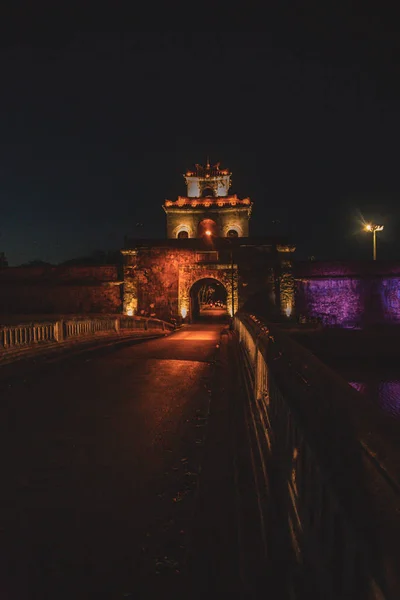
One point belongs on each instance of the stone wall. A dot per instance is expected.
(346, 268)
(349, 294)
(60, 289)
(158, 279)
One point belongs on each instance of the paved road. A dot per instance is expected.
(100, 462)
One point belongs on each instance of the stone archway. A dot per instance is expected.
(208, 301)
(189, 275)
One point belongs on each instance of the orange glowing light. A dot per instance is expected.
(208, 232)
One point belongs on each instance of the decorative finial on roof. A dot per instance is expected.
(208, 162)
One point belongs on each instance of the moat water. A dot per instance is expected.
(379, 386)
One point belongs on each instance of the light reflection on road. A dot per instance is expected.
(193, 333)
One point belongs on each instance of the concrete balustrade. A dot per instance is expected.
(331, 490)
(26, 334)
(15, 337)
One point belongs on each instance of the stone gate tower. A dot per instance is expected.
(208, 206)
(207, 240)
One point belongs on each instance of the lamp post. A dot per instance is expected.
(373, 228)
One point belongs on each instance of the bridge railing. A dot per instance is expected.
(145, 323)
(27, 334)
(83, 327)
(24, 335)
(331, 467)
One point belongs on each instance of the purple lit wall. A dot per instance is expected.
(384, 392)
(390, 299)
(350, 301)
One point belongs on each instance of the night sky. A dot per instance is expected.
(97, 127)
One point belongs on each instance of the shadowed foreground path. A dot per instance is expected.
(101, 459)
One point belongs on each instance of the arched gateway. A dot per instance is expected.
(225, 275)
(207, 239)
(208, 301)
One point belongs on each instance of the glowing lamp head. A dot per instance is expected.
(183, 312)
(129, 312)
(208, 232)
(288, 310)
(372, 227)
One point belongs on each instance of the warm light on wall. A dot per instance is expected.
(130, 305)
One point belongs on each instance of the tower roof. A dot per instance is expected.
(207, 171)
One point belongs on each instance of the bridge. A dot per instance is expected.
(140, 459)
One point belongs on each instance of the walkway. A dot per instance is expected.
(128, 472)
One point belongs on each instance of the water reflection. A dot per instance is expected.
(386, 392)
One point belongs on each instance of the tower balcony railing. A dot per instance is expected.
(211, 172)
(207, 201)
(328, 463)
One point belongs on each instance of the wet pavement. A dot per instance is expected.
(102, 461)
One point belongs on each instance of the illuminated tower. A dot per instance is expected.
(208, 206)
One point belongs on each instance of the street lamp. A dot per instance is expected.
(373, 228)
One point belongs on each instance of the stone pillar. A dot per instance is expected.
(58, 331)
(286, 289)
(130, 294)
(231, 276)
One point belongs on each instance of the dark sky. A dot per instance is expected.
(97, 125)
